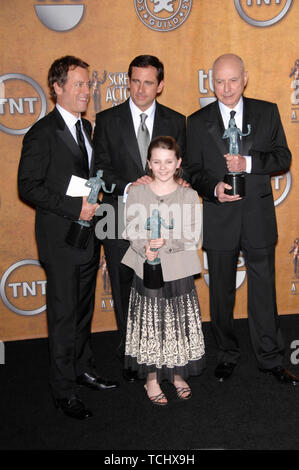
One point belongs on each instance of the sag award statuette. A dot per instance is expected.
(235, 179)
(152, 270)
(80, 231)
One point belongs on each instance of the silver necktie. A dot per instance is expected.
(143, 139)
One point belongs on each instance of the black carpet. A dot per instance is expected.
(251, 411)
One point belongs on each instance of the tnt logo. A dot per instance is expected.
(63, 17)
(22, 102)
(262, 13)
(23, 288)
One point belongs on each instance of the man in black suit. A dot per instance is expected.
(50, 156)
(117, 153)
(231, 223)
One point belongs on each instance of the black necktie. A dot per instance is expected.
(81, 143)
(232, 115)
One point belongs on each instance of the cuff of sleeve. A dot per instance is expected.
(125, 194)
(248, 163)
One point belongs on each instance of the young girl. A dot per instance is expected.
(164, 338)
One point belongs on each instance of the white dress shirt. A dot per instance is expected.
(70, 120)
(135, 111)
(225, 113)
(136, 116)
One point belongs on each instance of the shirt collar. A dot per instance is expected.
(136, 111)
(68, 117)
(225, 110)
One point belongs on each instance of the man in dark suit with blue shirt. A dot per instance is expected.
(231, 222)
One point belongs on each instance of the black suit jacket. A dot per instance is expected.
(254, 215)
(115, 143)
(50, 156)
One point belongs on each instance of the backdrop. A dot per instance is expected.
(186, 35)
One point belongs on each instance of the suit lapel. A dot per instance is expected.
(161, 124)
(126, 126)
(215, 128)
(248, 118)
(87, 130)
(65, 135)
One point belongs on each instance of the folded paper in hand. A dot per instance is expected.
(77, 187)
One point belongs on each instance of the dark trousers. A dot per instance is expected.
(70, 305)
(121, 277)
(263, 321)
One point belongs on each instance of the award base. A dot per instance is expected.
(78, 235)
(152, 276)
(237, 182)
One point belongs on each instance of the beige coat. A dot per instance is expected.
(179, 256)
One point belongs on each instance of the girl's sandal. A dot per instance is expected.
(157, 399)
(183, 393)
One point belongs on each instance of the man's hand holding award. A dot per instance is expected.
(236, 163)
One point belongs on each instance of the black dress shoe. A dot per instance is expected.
(224, 370)
(282, 375)
(73, 407)
(130, 375)
(95, 382)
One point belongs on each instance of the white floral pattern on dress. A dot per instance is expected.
(164, 331)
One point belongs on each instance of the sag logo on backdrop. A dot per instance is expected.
(116, 92)
(163, 15)
(63, 17)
